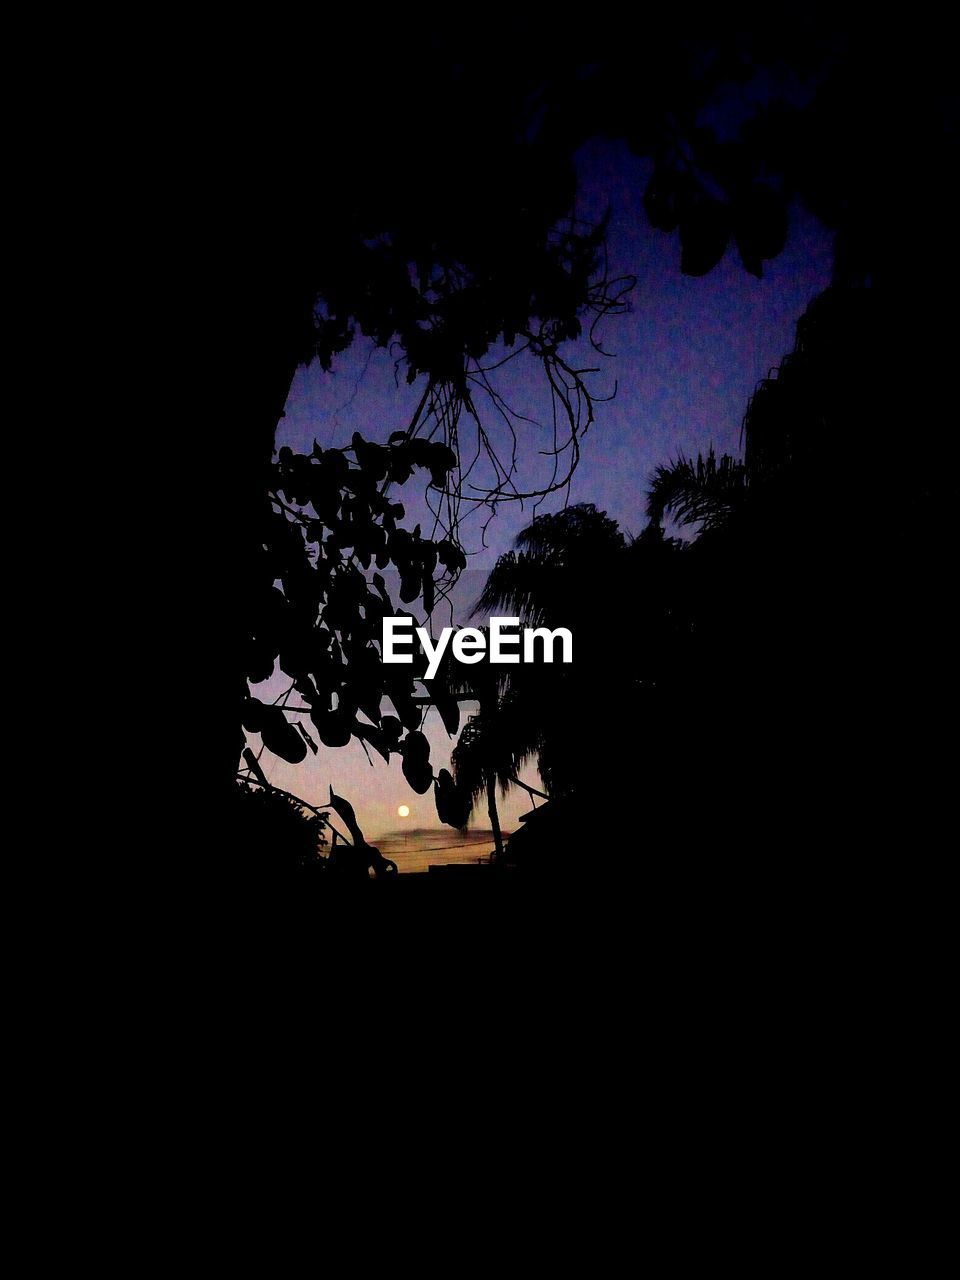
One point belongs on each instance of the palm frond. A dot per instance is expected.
(705, 492)
(576, 527)
(516, 587)
(531, 581)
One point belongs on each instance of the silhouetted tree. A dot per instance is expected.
(571, 569)
(494, 744)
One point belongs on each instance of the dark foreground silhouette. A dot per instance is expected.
(778, 700)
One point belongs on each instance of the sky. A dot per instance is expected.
(687, 357)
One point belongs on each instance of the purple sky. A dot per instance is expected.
(686, 360)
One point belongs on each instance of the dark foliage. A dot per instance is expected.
(734, 696)
(273, 835)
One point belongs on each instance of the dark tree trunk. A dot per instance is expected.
(494, 815)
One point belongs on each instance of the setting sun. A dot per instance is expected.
(404, 811)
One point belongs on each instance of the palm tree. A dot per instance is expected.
(495, 744)
(496, 741)
(554, 556)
